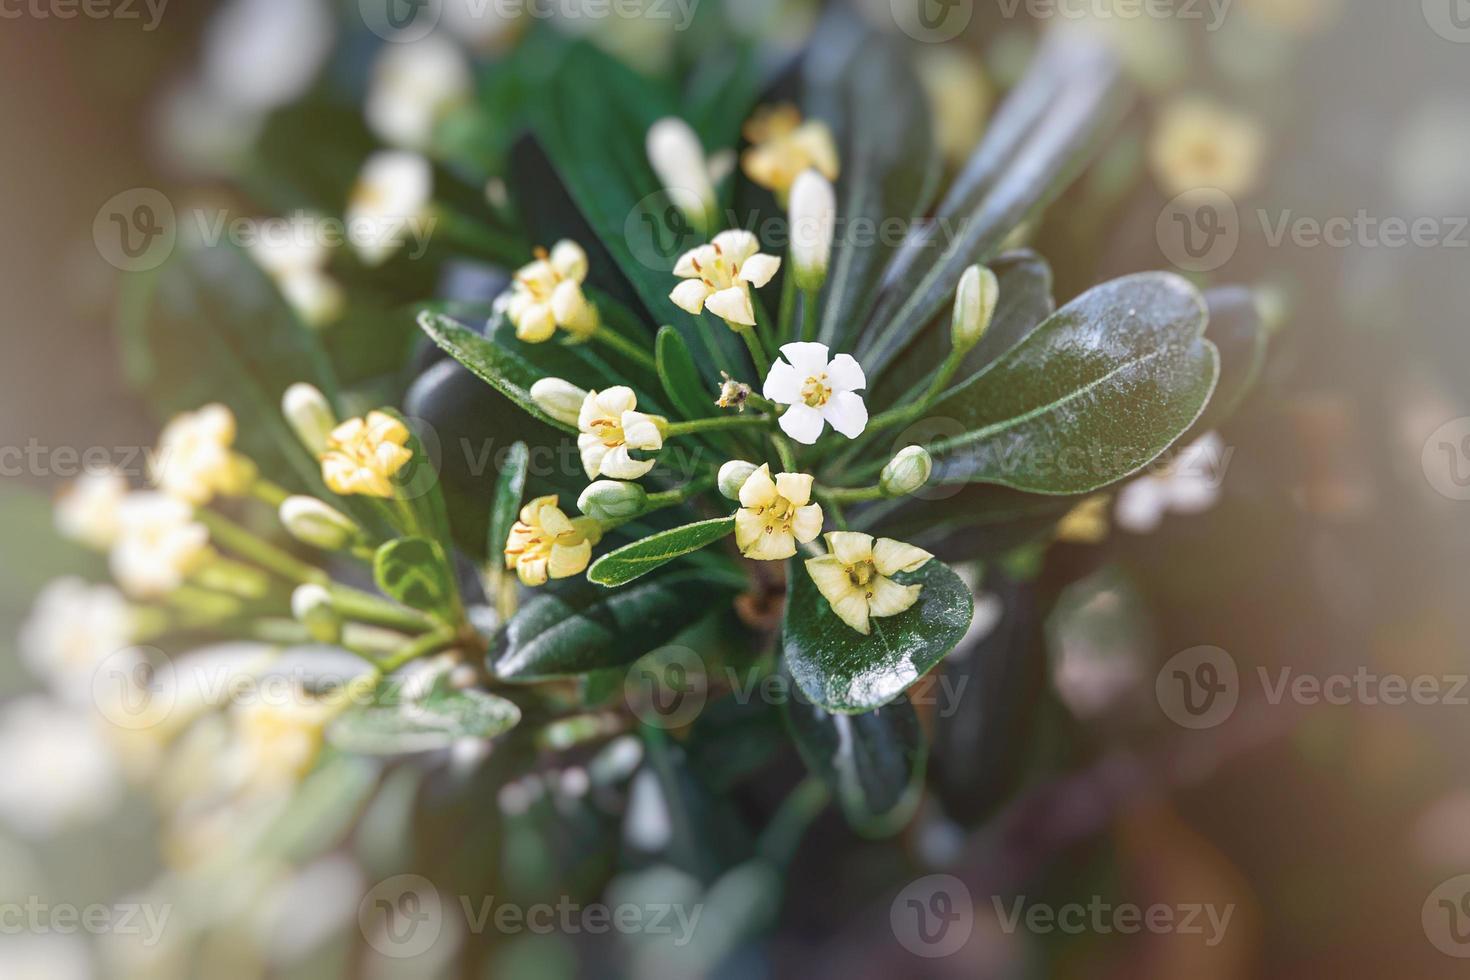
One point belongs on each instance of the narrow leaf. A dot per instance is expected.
(636, 560)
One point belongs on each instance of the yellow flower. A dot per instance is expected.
(1087, 523)
(548, 294)
(545, 543)
(775, 515)
(718, 276)
(610, 428)
(363, 455)
(279, 743)
(1198, 144)
(196, 458)
(856, 577)
(783, 146)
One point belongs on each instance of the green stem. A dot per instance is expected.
(786, 327)
(669, 498)
(809, 309)
(624, 346)
(714, 424)
(757, 351)
(364, 607)
(250, 546)
(269, 492)
(784, 451)
(429, 643)
(857, 495)
(778, 842)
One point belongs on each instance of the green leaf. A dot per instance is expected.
(506, 370)
(1093, 395)
(1238, 332)
(636, 560)
(414, 572)
(873, 763)
(419, 486)
(680, 376)
(510, 491)
(844, 671)
(588, 628)
(434, 723)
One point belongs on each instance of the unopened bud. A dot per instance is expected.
(312, 607)
(560, 399)
(733, 476)
(310, 416)
(906, 472)
(312, 522)
(678, 158)
(813, 225)
(974, 306)
(612, 500)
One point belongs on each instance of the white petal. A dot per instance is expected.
(809, 359)
(892, 556)
(850, 547)
(1141, 506)
(737, 245)
(783, 384)
(618, 465)
(567, 302)
(1191, 493)
(848, 414)
(690, 295)
(616, 400)
(890, 598)
(795, 487)
(641, 432)
(693, 260)
(760, 269)
(593, 454)
(846, 374)
(803, 423)
(733, 306)
(569, 260)
(759, 489)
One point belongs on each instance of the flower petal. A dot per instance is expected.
(569, 559)
(616, 400)
(641, 431)
(816, 140)
(690, 295)
(568, 304)
(748, 528)
(830, 577)
(733, 305)
(846, 374)
(775, 546)
(795, 487)
(1141, 505)
(569, 260)
(807, 523)
(553, 522)
(850, 547)
(531, 571)
(693, 261)
(537, 323)
(848, 413)
(618, 465)
(803, 423)
(736, 245)
(889, 598)
(853, 610)
(809, 359)
(759, 489)
(593, 455)
(893, 556)
(760, 269)
(783, 384)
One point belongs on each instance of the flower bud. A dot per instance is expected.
(733, 476)
(310, 416)
(312, 522)
(560, 399)
(906, 472)
(612, 500)
(678, 159)
(974, 306)
(813, 224)
(312, 607)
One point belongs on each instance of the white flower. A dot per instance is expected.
(818, 391)
(389, 202)
(813, 225)
(1190, 486)
(678, 158)
(310, 416)
(57, 771)
(72, 628)
(46, 956)
(159, 547)
(856, 578)
(87, 511)
(548, 294)
(610, 428)
(259, 54)
(486, 26)
(297, 262)
(277, 739)
(414, 85)
(719, 276)
(196, 457)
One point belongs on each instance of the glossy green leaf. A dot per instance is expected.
(506, 370)
(636, 560)
(587, 627)
(510, 492)
(414, 572)
(685, 389)
(424, 726)
(1093, 395)
(419, 486)
(873, 763)
(842, 670)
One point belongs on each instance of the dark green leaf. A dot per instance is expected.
(436, 722)
(685, 389)
(636, 560)
(419, 486)
(510, 491)
(873, 763)
(414, 571)
(588, 628)
(1093, 395)
(504, 369)
(844, 671)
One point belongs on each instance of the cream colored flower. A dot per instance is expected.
(57, 771)
(610, 428)
(87, 511)
(159, 546)
(296, 260)
(1198, 144)
(73, 627)
(546, 544)
(414, 85)
(718, 276)
(364, 454)
(278, 743)
(390, 203)
(783, 146)
(1087, 523)
(196, 458)
(776, 514)
(959, 98)
(1190, 486)
(856, 578)
(548, 294)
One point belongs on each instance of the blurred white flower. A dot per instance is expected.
(57, 771)
(73, 627)
(413, 86)
(159, 547)
(1191, 485)
(44, 956)
(87, 511)
(196, 457)
(485, 26)
(818, 390)
(277, 739)
(1198, 144)
(259, 54)
(299, 914)
(678, 158)
(297, 263)
(389, 202)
